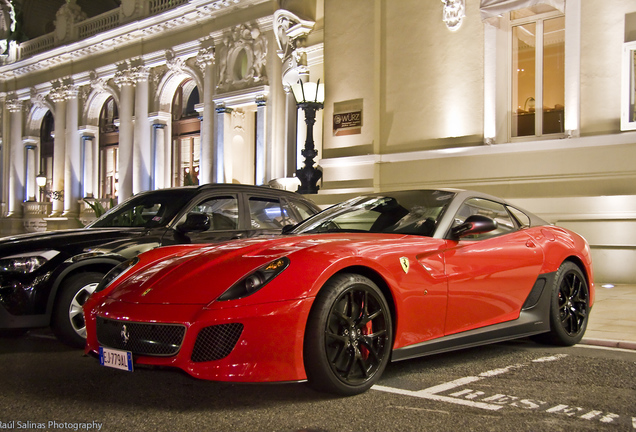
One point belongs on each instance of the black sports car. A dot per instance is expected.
(45, 278)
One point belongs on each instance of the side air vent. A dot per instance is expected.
(535, 294)
(216, 342)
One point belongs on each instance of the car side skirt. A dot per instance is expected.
(534, 318)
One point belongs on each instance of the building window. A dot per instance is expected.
(47, 131)
(110, 172)
(108, 148)
(628, 88)
(186, 135)
(538, 71)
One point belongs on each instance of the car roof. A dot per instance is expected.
(226, 187)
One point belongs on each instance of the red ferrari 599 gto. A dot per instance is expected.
(386, 276)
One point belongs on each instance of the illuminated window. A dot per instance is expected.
(538, 71)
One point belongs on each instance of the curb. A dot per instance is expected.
(610, 343)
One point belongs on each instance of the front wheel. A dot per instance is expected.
(569, 306)
(348, 337)
(68, 317)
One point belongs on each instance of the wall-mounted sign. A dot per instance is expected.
(347, 117)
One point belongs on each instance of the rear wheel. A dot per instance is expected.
(569, 306)
(68, 318)
(348, 336)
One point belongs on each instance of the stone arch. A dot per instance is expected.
(36, 114)
(94, 103)
(169, 84)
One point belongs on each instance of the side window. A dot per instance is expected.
(301, 208)
(222, 211)
(267, 213)
(491, 209)
(521, 217)
(143, 215)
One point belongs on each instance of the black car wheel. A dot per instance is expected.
(569, 307)
(348, 336)
(68, 318)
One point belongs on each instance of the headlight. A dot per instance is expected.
(255, 280)
(115, 273)
(26, 262)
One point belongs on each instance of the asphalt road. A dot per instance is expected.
(511, 386)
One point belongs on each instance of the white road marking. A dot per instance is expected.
(467, 397)
(431, 396)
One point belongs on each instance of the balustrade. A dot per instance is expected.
(98, 24)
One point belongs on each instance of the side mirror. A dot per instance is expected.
(195, 222)
(288, 228)
(475, 224)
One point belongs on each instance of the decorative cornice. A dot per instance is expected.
(149, 27)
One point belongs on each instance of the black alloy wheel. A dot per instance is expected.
(569, 309)
(348, 337)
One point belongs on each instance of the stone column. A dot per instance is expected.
(261, 162)
(58, 96)
(72, 160)
(141, 146)
(16, 159)
(126, 81)
(159, 156)
(205, 59)
(89, 161)
(222, 125)
(160, 168)
(31, 158)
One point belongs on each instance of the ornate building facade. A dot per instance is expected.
(147, 95)
(531, 100)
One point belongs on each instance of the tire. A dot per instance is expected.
(569, 307)
(348, 336)
(67, 321)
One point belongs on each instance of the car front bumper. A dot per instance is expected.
(268, 347)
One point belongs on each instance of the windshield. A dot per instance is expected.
(408, 212)
(148, 210)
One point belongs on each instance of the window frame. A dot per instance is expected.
(538, 20)
(628, 86)
(497, 101)
(476, 203)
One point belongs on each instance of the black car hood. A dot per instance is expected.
(61, 239)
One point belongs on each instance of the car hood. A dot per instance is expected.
(82, 237)
(195, 274)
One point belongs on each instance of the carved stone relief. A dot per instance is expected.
(291, 32)
(242, 58)
(65, 18)
(454, 13)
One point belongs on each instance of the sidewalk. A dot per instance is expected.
(613, 318)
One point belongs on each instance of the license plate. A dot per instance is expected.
(117, 359)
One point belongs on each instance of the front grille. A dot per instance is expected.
(216, 342)
(140, 338)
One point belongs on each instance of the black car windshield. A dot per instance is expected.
(407, 212)
(153, 209)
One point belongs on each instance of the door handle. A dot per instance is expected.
(531, 244)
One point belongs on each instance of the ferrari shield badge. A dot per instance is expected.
(405, 264)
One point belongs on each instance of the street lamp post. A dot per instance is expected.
(308, 174)
(40, 179)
